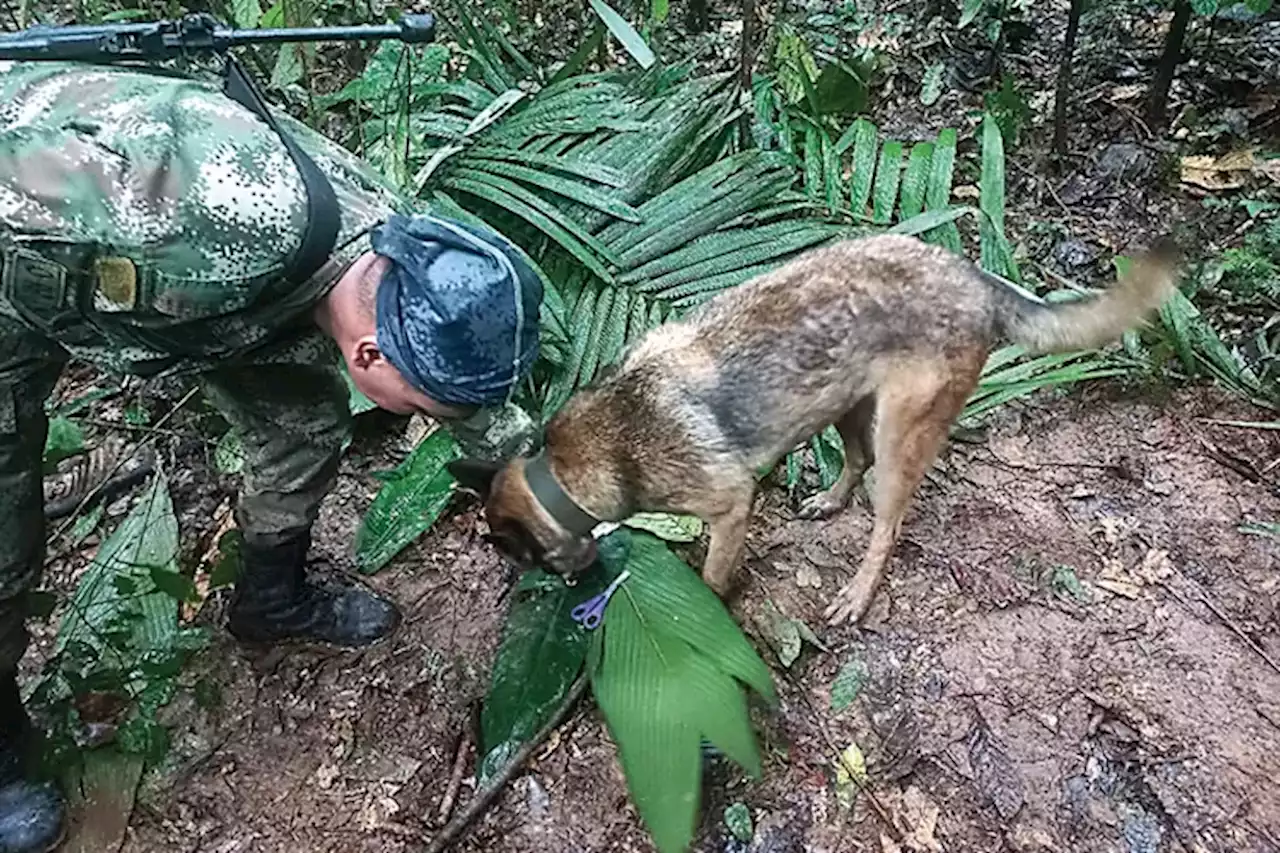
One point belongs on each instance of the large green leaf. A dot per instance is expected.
(64, 439)
(410, 501)
(668, 666)
(915, 180)
(120, 629)
(637, 687)
(865, 144)
(540, 656)
(969, 11)
(666, 587)
(1007, 376)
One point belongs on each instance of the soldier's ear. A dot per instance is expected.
(475, 475)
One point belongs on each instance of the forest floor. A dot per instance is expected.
(1075, 649)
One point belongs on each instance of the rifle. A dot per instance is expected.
(196, 33)
(203, 34)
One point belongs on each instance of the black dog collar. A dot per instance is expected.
(555, 500)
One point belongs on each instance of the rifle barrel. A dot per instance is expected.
(412, 28)
(160, 39)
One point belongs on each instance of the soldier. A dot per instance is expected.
(153, 226)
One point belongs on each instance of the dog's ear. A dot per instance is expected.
(475, 475)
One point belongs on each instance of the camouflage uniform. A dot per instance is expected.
(202, 200)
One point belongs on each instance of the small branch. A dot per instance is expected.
(459, 767)
(1227, 621)
(486, 795)
(121, 426)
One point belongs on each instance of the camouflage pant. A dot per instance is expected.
(290, 410)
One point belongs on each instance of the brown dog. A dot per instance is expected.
(884, 337)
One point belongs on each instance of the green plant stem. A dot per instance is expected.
(486, 795)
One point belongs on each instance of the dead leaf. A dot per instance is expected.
(888, 845)
(1121, 588)
(1127, 92)
(1228, 172)
(997, 778)
(1156, 566)
(786, 635)
(921, 816)
(1111, 529)
(325, 775)
(223, 520)
(851, 774)
(807, 577)
(416, 430)
(1269, 169)
(1114, 579)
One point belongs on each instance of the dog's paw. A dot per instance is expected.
(719, 587)
(819, 506)
(849, 605)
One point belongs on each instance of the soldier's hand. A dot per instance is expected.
(496, 433)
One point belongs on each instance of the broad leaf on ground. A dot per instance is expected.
(228, 455)
(146, 540)
(668, 666)
(410, 501)
(849, 682)
(540, 657)
(673, 528)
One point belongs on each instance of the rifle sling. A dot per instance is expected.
(323, 218)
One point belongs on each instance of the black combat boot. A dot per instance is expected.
(274, 601)
(32, 815)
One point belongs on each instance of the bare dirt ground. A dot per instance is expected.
(1007, 708)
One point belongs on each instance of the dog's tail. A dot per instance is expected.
(1093, 321)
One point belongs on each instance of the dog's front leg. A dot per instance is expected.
(728, 541)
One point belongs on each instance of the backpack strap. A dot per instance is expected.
(323, 219)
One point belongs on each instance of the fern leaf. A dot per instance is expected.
(864, 166)
(916, 179)
(938, 195)
(519, 201)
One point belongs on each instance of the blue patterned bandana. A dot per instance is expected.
(457, 310)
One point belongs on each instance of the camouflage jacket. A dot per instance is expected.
(147, 220)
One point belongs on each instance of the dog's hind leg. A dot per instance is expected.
(855, 430)
(916, 408)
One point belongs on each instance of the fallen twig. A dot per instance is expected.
(1226, 620)
(485, 796)
(876, 805)
(1225, 458)
(1270, 425)
(459, 766)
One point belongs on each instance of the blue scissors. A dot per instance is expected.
(589, 613)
